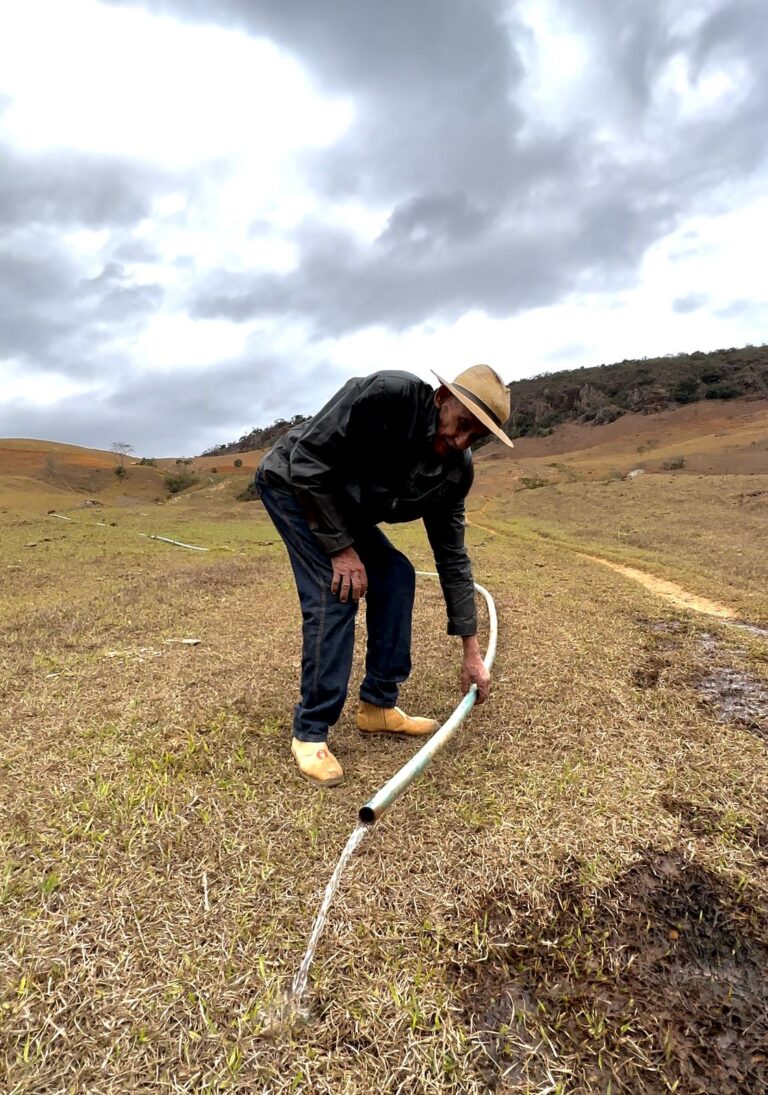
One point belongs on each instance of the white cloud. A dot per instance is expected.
(708, 256)
(15, 384)
(176, 342)
(682, 91)
(120, 81)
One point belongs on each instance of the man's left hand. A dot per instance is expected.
(473, 670)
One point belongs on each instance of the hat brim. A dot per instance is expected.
(476, 410)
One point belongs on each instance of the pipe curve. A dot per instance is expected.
(394, 787)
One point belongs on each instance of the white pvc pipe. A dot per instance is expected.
(383, 799)
(178, 543)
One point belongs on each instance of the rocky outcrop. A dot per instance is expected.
(644, 386)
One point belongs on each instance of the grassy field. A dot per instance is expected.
(571, 900)
(708, 532)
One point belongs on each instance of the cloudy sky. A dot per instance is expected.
(213, 212)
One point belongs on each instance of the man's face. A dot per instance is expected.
(457, 427)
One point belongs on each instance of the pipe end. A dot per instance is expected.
(367, 815)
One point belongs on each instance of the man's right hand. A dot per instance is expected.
(349, 575)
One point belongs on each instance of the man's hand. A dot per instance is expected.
(473, 670)
(349, 575)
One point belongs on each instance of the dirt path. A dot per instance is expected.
(670, 591)
(483, 528)
(474, 524)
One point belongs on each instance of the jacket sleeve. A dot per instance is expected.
(445, 531)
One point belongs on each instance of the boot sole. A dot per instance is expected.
(333, 782)
(400, 733)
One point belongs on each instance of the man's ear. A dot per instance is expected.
(441, 395)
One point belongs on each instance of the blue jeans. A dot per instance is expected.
(329, 624)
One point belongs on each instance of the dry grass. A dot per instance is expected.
(572, 898)
(707, 533)
(712, 437)
(40, 475)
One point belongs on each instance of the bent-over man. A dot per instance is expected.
(386, 447)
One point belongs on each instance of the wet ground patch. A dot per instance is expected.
(751, 629)
(733, 693)
(660, 641)
(660, 979)
(648, 671)
(736, 696)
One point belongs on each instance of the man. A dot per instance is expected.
(388, 448)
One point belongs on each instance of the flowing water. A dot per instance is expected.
(299, 987)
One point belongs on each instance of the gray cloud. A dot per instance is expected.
(35, 284)
(690, 303)
(740, 307)
(64, 187)
(490, 210)
(133, 250)
(431, 83)
(494, 203)
(112, 296)
(430, 220)
(53, 320)
(341, 285)
(49, 318)
(177, 412)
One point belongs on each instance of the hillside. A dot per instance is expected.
(708, 438)
(600, 394)
(260, 437)
(604, 393)
(39, 475)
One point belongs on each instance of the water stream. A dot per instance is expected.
(299, 987)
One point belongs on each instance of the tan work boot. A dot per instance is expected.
(391, 720)
(317, 763)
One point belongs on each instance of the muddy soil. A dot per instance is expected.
(737, 696)
(659, 980)
(734, 694)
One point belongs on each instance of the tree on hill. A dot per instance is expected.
(122, 449)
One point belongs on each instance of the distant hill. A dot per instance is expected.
(260, 437)
(598, 394)
(603, 393)
(724, 437)
(35, 474)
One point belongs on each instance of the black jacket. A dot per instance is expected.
(367, 457)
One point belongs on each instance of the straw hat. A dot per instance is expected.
(484, 393)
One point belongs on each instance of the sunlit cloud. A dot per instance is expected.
(124, 82)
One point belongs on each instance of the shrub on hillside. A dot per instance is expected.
(148, 462)
(250, 494)
(120, 472)
(604, 415)
(686, 390)
(179, 481)
(722, 391)
(238, 463)
(674, 464)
